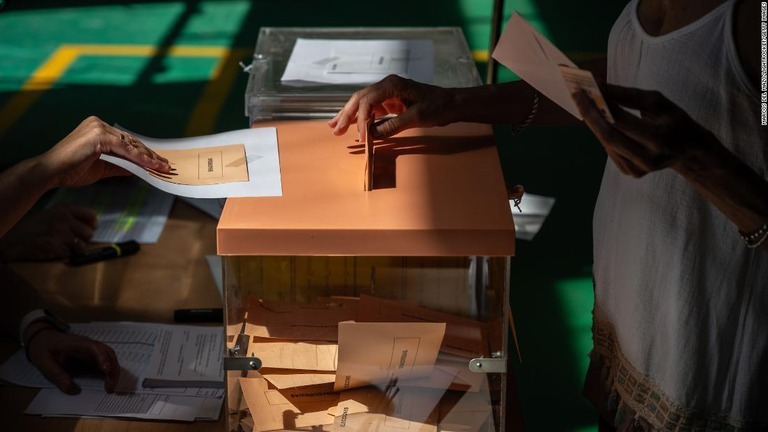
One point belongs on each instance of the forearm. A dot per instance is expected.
(507, 103)
(512, 102)
(731, 186)
(20, 187)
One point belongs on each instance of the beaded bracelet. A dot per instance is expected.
(755, 238)
(528, 120)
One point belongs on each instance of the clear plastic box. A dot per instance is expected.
(266, 98)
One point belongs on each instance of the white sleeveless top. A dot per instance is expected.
(679, 300)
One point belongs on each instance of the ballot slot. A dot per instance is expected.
(383, 341)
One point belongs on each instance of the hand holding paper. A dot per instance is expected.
(241, 163)
(535, 59)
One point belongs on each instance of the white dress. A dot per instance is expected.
(681, 305)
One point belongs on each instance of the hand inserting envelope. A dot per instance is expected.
(536, 60)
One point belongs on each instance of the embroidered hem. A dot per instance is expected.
(624, 395)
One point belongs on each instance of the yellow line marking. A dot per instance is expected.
(41, 80)
(203, 115)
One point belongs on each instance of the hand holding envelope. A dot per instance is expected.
(536, 60)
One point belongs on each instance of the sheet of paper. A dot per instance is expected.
(358, 62)
(126, 209)
(463, 336)
(261, 157)
(529, 54)
(533, 211)
(95, 403)
(133, 343)
(319, 320)
(378, 352)
(187, 356)
(389, 408)
(272, 410)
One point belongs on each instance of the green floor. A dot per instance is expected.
(169, 69)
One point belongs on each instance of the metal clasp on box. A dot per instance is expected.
(495, 364)
(242, 363)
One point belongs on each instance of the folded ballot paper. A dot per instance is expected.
(168, 372)
(536, 60)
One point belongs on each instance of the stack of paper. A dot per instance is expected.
(186, 360)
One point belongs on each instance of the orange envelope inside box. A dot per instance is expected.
(379, 352)
(319, 320)
(271, 410)
(463, 336)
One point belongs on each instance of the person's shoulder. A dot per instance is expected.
(746, 35)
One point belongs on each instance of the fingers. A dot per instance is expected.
(384, 97)
(52, 349)
(394, 125)
(340, 123)
(95, 353)
(647, 101)
(106, 360)
(72, 227)
(624, 151)
(49, 366)
(132, 149)
(85, 216)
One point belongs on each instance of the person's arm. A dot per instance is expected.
(74, 161)
(422, 105)
(47, 347)
(667, 137)
(510, 103)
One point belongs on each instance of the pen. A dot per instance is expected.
(115, 250)
(198, 315)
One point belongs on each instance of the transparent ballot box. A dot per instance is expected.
(380, 310)
(436, 55)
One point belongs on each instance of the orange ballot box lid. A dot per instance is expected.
(436, 192)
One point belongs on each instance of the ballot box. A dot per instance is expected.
(380, 310)
(331, 63)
